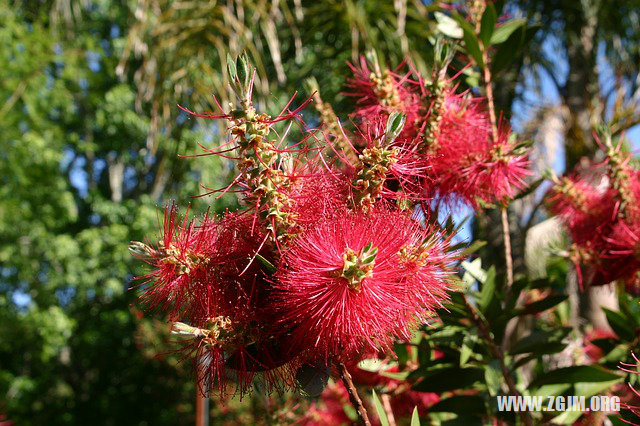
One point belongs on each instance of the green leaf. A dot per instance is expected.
(617, 354)
(541, 342)
(542, 305)
(510, 49)
(415, 418)
(590, 389)
(269, 267)
(402, 353)
(470, 40)
(518, 285)
(474, 268)
(487, 24)
(468, 342)
(448, 26)
(619, 324)
(231, 66)
(395, 123)
(350, 411)
(448, 379)
(402, 375)
(472, 248)
(372, 365)
(530, 189)
(557, 389)
(575, 374)
(460, 404)
(382, 415)
(522, 361)
(502, 33)
(488, 293)
(244, 71)
(473, 48)
(493, 377)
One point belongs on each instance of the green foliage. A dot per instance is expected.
(77, 185)
(89, 139)
(468, 342)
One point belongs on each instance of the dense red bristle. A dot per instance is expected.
(330, 319)
(353, 271)
(605, 232)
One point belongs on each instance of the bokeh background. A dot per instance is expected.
(90, 137)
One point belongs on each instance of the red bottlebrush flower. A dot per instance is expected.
(498, 174)
(355, 281)
(316, 192)
(623, 252)
(454, 125)
(463, 160)
(583, 205)
(629, 396)
(384, 166)
(379, 93)
(179, 260)
(206, 276)
(604, 228)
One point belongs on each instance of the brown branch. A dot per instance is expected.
(10, 102)
(386, 404)
(202, 399)
(353, 394)
(488, 87)
(506, 236)
(497, 353)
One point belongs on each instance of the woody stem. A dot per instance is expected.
(353, 394)
(488, 88)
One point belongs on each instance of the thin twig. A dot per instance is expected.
(488, 88)
(353, 394)
(507, 249)
(497, 353)
(202, 398)
(386, 404)
(494, 133)
(13, 98)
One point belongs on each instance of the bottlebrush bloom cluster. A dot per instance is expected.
(448, 134)
(599, 206)
(326, 261)
(357, 280)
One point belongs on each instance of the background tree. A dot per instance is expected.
(90, 134)
(78, 178)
